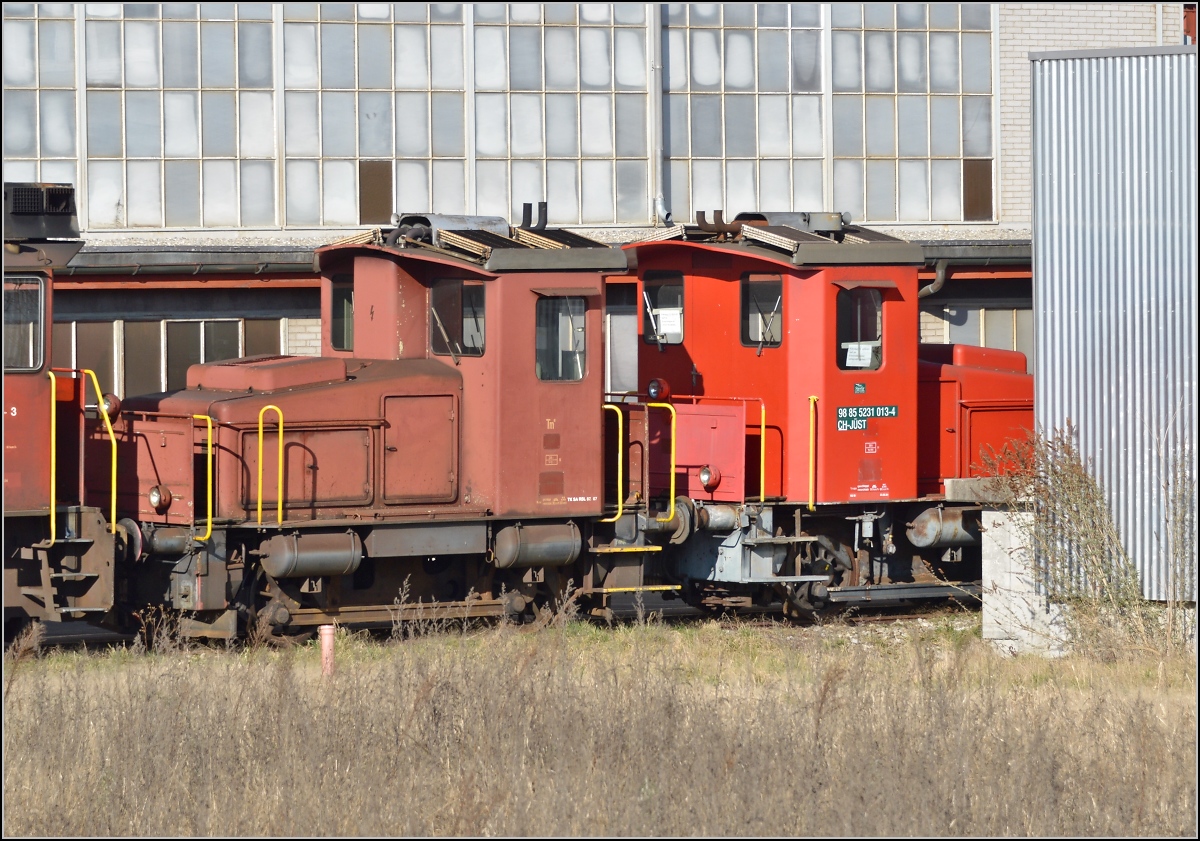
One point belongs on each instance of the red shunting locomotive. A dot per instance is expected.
(465, 444)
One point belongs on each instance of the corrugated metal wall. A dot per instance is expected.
(1115, 275)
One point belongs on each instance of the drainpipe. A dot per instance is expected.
(654, 13)
(939, 280)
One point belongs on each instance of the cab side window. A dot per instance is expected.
(24, 323)
(561, 339)
(342, 315)
(662, 308)
(859, 329)
(456, 317)
(762, 310)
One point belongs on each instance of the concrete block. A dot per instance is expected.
(1016, 618)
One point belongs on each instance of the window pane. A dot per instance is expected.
(412, 185)
(808, 185)
(103, 50)
(977, 191)
(910, 62)
(848, 188)
(662, 309)
(337, 124)
(339, 193)
(772, 61)
(881, 120)
(847, 61)
(706, 126)
(300, 55)
(337, 56)
(374, 57)
(18, 53)
(105, 193)
(256, 124)
(183, 193)
(597, 191)
(630, 59)
(375, 124)
(300, 132)
(491, 66)
(977, 126)
(910, 15)
(977, 63)
(412, 59)
(24, 323)
(258, 193)
(447, 44)
(762, 311)
(145, 200)
(943, 125)
(412, 124)
(739, 126)
(104, 124)
(261, 336)
(946, 192)
(180, 55)
(303, 194)
(739, 60)
(943, 62)
(491, 125)
(221, 340)
(141, 54)
(914, 191)
(447, 124)
(218, 123)
(705, 59)
(806, 61)
(881, 62)
(562, 58)
(774, 138)
(562, 191)
(998, 329)
(94, 350)
(220, 193)
(631, 125)
(183, 351)
(449, 188)
(181, 130)
(859, 329)
(912, 115)
(774, 183)
(561, 338)
(525, 52)
(526, 125)
(595, 115)
(964, 325)
(254, 55)
(595, 58)
(847, 125)
(456, 318)
(491, 188)
(631, 192)
(881, 190)
(143, 357)
(216, 54)
(56, 53)
(342, 315)
(807, 132)
(143, 124)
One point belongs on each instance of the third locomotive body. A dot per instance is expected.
(464, 445)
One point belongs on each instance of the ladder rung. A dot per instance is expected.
(74, 576)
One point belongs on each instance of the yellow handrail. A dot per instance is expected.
(279, 482)
(762, 452)
(671, 499)
(812, 452)
(208, 420)
(111, 437)
(620, 464)
(53, 454)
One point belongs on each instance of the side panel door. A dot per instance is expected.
(420, 449)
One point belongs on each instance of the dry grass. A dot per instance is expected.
(577, 730)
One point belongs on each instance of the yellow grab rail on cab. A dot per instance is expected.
(111, 437)
(53, 454)
(671, 499)
(279, 481)
(812, 452)
(620, 464)
(762, 451)
(208, 532)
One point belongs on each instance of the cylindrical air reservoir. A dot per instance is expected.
(944, 527)
(306, 555)
(533, 546)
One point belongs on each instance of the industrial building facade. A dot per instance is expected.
(257, 116)
(213, 145)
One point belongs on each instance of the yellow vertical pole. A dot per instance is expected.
(112, 438)
(53, 456)
(279, 481)
(208, 533)
(812, 452)
(620, 464)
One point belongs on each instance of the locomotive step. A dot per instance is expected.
(777, 541)
(607, 549)
(785, 579)
(74, 576)
(82, 609)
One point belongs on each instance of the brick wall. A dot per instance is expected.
(933, 326)
(1041, 27)
(304, 336)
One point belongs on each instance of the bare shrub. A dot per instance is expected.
(1080, 558)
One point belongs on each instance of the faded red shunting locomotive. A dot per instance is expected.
(735, 414)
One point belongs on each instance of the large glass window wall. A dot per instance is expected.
(311, 115)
